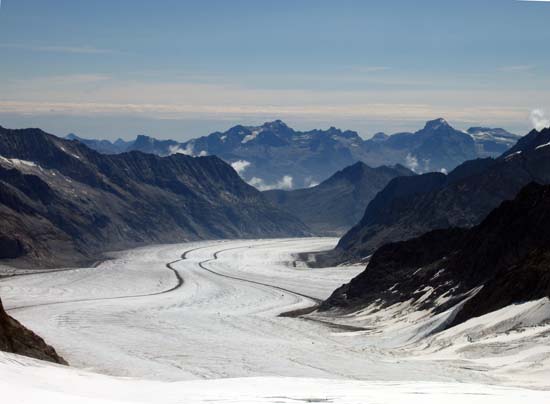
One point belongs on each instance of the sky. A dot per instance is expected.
(181, 69)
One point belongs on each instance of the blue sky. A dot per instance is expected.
(180, 69)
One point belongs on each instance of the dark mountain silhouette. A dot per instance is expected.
(409, 207)
(335, 205)
(502, 261)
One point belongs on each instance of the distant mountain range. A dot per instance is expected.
(61, 202)
(410, 206)
(334, 206)
(502, 261)
(275, 156)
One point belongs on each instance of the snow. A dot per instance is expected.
(133, 334)
(512, 155)
(542, 145)
(18, 162)
(26, 381)
(250, 137)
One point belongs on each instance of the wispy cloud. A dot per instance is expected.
(59, 49)
(516, 68)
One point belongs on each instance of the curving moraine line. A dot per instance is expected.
(215, 257)
(169, 265)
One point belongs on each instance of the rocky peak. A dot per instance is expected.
(436, 124)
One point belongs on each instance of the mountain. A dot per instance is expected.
(103, 146)
(410, 206)
(151, 145)
(436, 147)
(275, 156)
(335, 205)
(15, 338)
(502, 261)
(61, 202)
(492, 142)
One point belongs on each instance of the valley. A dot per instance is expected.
(210, 310)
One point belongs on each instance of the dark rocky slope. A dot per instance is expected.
(61, 202)
(506, 259)
(15, 338)
(334, 206)
(411, 206)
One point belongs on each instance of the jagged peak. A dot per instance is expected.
(436, 124)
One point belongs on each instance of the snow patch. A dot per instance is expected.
(542, 145)
(252, 136)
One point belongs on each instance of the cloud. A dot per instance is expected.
(240, 166)
(188, 150)
(539, 120)
(411, 162)
(97, 95)
(516, 68)
(284, 183)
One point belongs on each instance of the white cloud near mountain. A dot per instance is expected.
(539, 119)
(411, 162)
(240, 166)
(285, 183)
(188, 150)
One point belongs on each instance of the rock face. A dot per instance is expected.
(334, 206)
(411, 206)
(15, 338)
(61, 202)
(502, 261)
(273, 155)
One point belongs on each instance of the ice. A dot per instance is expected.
(219, 337)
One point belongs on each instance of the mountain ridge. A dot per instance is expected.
(60, 196)
(503, 260)
(334, 206)
(463, 198)
(270, 152)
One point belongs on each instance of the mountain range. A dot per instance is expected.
(334, 206)
(275, 156)
(410, 206)
(500, 262)
(62, 202)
